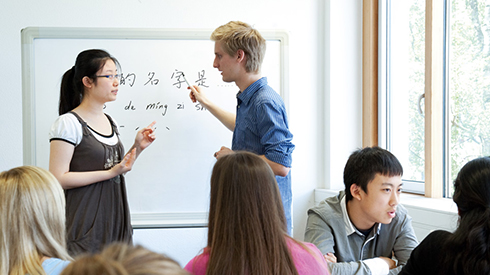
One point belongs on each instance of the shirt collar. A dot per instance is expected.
(246, 95)
(349, 226)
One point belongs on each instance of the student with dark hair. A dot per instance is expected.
(87, 157)
(361, 229)
(467, 250)
(247, 227)
(32, 223)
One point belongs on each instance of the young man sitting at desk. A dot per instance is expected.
(360, 230)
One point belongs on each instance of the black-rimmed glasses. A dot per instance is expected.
(110, 76)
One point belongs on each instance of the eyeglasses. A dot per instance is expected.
(110, 76)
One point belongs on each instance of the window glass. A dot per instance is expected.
(405, 70)
(468, 90)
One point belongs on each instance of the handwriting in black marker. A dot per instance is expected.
(167, 128)
(130, 78)
(157, 106)
(199, 107)
(201, 79)
(180, 106)
(178, 76)
(130, 106)
(136, 128)
(151, 80)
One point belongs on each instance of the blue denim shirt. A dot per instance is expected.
(261, 127)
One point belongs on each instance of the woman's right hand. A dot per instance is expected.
(126, 164)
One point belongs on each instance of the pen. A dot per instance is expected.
(186, 80)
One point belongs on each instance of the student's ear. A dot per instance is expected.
(87, 82)
(355, 191)
(240, 55)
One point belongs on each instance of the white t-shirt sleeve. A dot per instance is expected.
(66, 128)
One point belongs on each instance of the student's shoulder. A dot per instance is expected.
(263, 93)
(54, 266)
(267, 95)
(437, 236)
(67, 118)
(66, 127)
(198, 264)
(329, 208)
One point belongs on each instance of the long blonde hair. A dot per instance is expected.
(32, 220)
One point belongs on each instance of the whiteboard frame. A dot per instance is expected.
(29, 34)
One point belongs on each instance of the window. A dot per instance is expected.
(450, 72)
(468, 83)
(402, 87)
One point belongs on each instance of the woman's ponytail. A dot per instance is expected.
(70, 98)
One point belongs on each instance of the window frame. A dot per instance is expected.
(374, 95)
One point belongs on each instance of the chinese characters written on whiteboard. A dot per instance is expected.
(130, 79)
(177, 76)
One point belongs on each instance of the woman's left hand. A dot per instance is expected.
(145, 137)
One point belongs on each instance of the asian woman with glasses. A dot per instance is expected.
(87, 157)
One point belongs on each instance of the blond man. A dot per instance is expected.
(260, 124)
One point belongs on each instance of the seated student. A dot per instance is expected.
(360, 229)
(247, 231)
(32, 222)
(124, 259)
(467, 250)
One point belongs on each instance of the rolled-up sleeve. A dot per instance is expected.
(274, 132)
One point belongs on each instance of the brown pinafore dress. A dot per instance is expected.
(97, 214)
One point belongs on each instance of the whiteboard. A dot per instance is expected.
(169, 183)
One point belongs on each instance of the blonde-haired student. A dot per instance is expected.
(124, 259)
(260, 124)
(32, 223)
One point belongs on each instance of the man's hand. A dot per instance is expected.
(391, 263)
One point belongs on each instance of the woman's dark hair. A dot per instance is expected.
(247, 226)
(88, 63)
(470, 243)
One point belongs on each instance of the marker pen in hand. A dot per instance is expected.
(183, 75)
(193, 98)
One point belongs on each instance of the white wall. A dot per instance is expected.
(342, 99)
(325, 70)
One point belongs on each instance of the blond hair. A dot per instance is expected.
(32, 220)
(124, 259)
(87, 264)
(236, 35)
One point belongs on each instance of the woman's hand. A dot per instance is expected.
(145, 137)
(126, 164)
